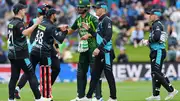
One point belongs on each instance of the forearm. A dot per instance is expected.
(70, 31)
(28, 31)
(60, 36)
(92, 33)
(56, 46)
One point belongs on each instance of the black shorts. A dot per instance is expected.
(24, 64)
(35, 59)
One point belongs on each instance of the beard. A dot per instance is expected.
(82, 10)
(55, 19)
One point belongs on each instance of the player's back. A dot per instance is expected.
(17, 42)
(44, 40)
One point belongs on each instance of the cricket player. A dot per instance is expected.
(104, 53)
(156, 43)
(55, 66)
(18, 52)
(86, 48)
(47, 32)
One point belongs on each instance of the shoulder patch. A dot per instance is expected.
(158, 28)
(109, 25)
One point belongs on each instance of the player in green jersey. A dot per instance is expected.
(85, 48)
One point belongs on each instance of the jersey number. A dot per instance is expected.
(39, 37)
(10, 37)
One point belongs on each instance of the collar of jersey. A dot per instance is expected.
(18, 18)
(156, 21)
(102, 17)
(46, 19)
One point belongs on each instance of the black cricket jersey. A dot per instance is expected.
(45, 35)
(104, 33)
(33, 36)
(17, 42)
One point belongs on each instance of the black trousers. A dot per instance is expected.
(86, 60)
(158, 78)
(103, 62)
(26, 66)
(35, 59)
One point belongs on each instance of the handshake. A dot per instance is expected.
(63, 27)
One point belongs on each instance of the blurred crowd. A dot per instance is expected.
(130, 18)
(130, 23)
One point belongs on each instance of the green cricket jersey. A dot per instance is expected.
(92, 21)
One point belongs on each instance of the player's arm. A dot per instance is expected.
(73, 28)
(59, 35)
(156, 34)
(91, 29)
(29, 30)
(56, 46)
(107, 27)
(70, 31)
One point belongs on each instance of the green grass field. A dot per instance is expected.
(126, 91)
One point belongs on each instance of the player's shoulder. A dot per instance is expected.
(158, 24)
(107, 18)
(92, 17)
(16, 21)
(78, 17)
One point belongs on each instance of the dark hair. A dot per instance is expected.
(18, 7)
(50, 12)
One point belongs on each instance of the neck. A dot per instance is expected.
(18, 16)
(102, 14)
(52, 20)
(83, 15)
(156, 18)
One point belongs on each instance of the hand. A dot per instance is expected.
(63, 27)
(96, 52)
(145, 42)
(85, 37)
(84, 25)
(58, 55)
(39, 20)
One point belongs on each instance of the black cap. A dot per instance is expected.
(42, 9)
(101, 5)
(154, 11)
(18, 7)
(50, 12)
(48, 6)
